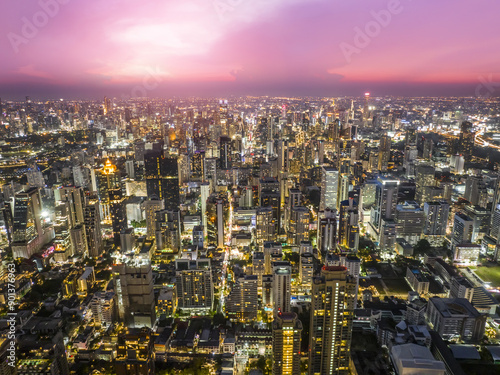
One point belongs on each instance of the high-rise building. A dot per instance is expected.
(424, 177)
(133, 282)
(329, 188)
(466, 140)
(410, 220)
(306, 270)
(195, 287)
(108, 178)
(102, 306)
(386, 198)
(475, 191)
(242, 301)
(162, 178)
(273, 251)
(282, 281)
(384, 153)
(298, 228)
(332, 311)
(168, 230)
(349, 225)
(118, 213)
(463, 228)
(92, 219)
(327, 232)
(151, 206)
(28, 231)
(436, 218)
(225, 153)
(287, 330)
(264, 226)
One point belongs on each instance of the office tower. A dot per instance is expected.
(306, 270)
(242, 301)
(481, 218)
(424, 177)
(102, 306)
(92, 220)
(151, 206)
(457, 164)
(197, 163)
(62, 240)
(384, 153)
(349, 225)
(183, 168)
(133, 282)
(455, 318)
(386, 197)
(428, 148)
(410, 136)
(28, 231)
(368, 194)
(118, 213)
(287, 330)
(329, 188)
(436, 218)
(162, 178)
(210, 170)
(127, 240)
(387, 235)
(168, 230)
(327, 232)
(332, 310)
(366, 108)
(79, 240)
(75, 198)
(353, 265)
(269, 196)
(294, 199)
(264, 226)
(204, 194)
(130, 169)
(411, 154)
(225, 153)
(298, 228)
(466, 140)
(475, 191)
(410, 220)
(463, 227)
(258, 266)
(135, 353)
(281, 293)
(273, 251)
(108, 178)
(195, 287)
(305, 247)
(283, 155)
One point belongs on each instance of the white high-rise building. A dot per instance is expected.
(329, 188)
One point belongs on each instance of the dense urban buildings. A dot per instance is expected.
(250, 235)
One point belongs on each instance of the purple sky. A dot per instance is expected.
(126, 48)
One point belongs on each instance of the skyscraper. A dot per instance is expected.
(463, 228)
(329, 188)
(242, 302)
(384, 153)
(386, 199)
(287, 330)
(92, 219)
(466, 140)
(282, 278)
(225, 153)
(332, 310)
(349, 225)
(162, 178)
(133, 282)
(195, 287)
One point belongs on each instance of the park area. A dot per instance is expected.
(488, 274)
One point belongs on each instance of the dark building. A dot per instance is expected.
(162, 178)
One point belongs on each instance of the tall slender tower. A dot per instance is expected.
(332, 310)
(287, 330)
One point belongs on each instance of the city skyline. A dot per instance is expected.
(74, 50)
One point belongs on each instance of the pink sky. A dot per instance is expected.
(99, 47)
